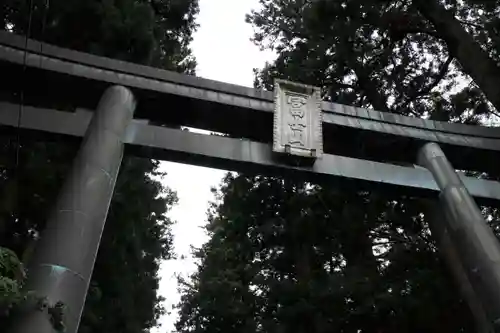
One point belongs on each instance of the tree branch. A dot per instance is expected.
(339, 84)
(427, 89)
(471, 24)
(418, 30)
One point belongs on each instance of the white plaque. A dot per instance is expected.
(297, 120)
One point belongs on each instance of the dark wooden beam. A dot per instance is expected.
(143, 139)
(51, 76)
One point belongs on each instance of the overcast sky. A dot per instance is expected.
(225, 53)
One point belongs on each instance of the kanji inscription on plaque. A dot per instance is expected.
(297, 120)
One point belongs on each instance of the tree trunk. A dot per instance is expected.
(462, 46)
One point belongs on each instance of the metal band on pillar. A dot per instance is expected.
(62, 266)
(472, 238)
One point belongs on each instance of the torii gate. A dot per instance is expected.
(290, 132)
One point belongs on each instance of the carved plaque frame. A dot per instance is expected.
(297, 120)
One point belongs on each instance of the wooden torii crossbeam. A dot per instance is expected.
(140, 111)
(173, 99)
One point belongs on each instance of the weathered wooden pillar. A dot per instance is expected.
(474, 241)
(437, 224)
(64, 257)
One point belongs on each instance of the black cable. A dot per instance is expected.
(21, 102)
(23, 77)
(44, 22)
(24, 68)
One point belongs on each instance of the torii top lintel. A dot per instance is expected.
(174, 99)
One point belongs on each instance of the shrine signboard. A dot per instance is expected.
(297, 121)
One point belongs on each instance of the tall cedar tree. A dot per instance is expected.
(287, 256)
(123, 291)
